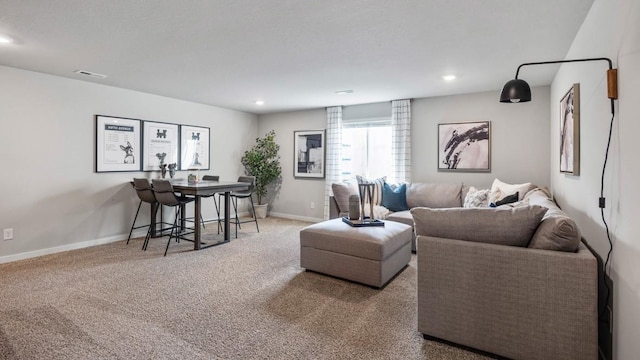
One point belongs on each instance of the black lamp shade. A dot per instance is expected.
(515, 91)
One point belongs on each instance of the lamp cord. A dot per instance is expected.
(604, 167)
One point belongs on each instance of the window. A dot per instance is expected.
(366, 148)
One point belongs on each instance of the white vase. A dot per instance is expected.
(260, 211)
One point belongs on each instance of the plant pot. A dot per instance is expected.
(260, 211)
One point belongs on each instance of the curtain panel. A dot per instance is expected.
(401, 141)
(334, 152)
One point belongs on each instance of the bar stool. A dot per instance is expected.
(235, 195)
(145, 194)
(165, 195)
(215, 202)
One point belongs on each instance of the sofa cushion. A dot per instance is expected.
(557, 231)
(395, 199)
(476, 198)
(404, 217)
(434, 195)
(341, 192)
(502, 226)
(500, 189)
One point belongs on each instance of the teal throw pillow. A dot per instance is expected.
(395, 199)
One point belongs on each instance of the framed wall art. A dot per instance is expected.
(464, 147)
(160, 145)
(570, 131)
(309, 154)
(117, 144)
(194, 147)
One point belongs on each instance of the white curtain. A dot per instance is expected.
(401, 142)
(334, 152)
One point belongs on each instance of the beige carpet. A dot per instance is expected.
(248, 299)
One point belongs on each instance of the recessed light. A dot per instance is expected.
(344, 92)
(4, 39)
(449, 77)
(259, 102)
(89, 73)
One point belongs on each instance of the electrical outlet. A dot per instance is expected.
(8, 234)
(312, 205)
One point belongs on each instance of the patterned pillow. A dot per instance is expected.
(377, 189)
(476, 198)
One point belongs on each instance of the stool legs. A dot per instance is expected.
(134, 222)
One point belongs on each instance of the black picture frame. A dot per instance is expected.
(309, 154)
(117, 144)
(195, 148)
(161, 145)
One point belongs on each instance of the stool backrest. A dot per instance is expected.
(143, 190)
(164, 192)
(211, 178)
(248, 179)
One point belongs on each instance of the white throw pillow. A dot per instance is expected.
(500, 189)
(476, 198)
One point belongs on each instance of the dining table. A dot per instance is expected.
(206, 188)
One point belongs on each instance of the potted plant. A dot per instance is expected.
(263, 162)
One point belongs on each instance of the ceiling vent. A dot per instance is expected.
(89, 73)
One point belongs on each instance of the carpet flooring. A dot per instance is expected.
(248, 299)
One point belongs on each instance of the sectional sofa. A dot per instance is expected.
(514, 280)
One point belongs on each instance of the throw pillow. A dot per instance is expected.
(476, 198)
(376, 194)
(500, 189)
(502, 226)
(341, 192)
(506, 200)
(395, 199)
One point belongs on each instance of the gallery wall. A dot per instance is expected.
(520, 144)
(611, 29)
(52, 198)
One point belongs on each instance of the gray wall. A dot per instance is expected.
(611, 29)
(520, 144)
(296, 196)
(52, 198)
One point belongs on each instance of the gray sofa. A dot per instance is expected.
(515, 281)
(521, 285)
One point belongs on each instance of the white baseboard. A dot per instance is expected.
(74, 246)
(111, 239)
(295, 217)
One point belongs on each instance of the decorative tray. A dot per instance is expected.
(361, 223)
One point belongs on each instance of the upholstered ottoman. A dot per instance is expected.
(368, 255)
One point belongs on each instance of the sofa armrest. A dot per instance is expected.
(334, 212)
(516, 302)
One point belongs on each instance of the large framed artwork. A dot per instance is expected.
(160, 142)
(309, 150)
(117, 144)
(464, 147)
(570, 131)
(194, 147)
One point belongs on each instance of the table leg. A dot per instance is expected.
(196, 224)
(227, 213)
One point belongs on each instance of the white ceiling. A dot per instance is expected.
(293, 54)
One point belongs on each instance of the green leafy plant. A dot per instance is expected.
(263, 162)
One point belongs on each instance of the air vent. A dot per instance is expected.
(89, 73)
